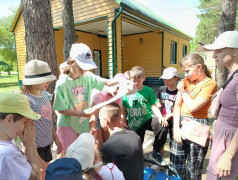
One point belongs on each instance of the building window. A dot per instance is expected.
(173, 59)
(185, 50)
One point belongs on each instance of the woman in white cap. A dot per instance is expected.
(224, 157)
(73, 94)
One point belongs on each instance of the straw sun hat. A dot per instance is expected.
(37, 72)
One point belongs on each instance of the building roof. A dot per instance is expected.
(137, 7)
(142, 9)
(15, 20)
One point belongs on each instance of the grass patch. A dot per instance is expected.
(8, 82)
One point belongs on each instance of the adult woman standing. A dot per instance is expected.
(225, 50)
(192, 104)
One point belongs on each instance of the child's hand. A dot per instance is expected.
(59, 145)
(93, 131)
(164, 122)
(29, 134)
(88, 112)
(112, 90)
(178, 136)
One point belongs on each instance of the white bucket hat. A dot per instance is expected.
(82, 54)
(37, 72)
(228, 39)
(169, 73)
(82, 149)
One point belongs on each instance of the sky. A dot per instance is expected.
(180, 13)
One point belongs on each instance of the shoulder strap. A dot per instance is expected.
(227, 82)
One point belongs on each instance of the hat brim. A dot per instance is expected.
(212, 47)
(86, 65)
(168, 77)
(31, 115)
(38, 80)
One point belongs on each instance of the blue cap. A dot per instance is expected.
(64, 169)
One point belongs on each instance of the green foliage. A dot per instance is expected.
(208, 27)
(7, 68)
(7, 40)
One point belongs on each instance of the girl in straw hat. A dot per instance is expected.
(37, 78)
(224, 153)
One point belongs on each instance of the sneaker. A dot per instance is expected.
(157, 157)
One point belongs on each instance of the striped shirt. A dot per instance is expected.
(41, 105)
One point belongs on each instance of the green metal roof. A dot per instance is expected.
(138, 7)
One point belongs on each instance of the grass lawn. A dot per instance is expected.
(8, 82)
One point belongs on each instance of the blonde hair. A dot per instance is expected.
(71, 68)
(25, 89)
(127, 74)
(137, 72)
(195, 59)
(112, 111)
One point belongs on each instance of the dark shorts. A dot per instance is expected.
(45, 153)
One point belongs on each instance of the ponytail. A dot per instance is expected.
(25, 89)
(207, 71)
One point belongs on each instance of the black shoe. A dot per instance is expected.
(157, 157)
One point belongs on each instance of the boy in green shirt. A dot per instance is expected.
(138, 108)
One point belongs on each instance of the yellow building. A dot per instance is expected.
(120, 33)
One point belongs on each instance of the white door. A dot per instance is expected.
(97, 60)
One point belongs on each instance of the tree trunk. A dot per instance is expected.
(40, 40)
(228, 20)
(68, 22)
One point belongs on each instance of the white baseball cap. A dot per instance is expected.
(82, 149)
(169, 73)
(82, 54)
(228, 39)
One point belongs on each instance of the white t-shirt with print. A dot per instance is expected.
(13, 163)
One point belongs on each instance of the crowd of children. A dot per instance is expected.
(106, 143)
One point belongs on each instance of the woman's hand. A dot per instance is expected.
(224, 164)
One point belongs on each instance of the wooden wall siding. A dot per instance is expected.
(20, 47)
(168, 37)
(147, 54)
(91, 40)
(83, 10)
(119, 49)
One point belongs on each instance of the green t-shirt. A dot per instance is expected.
(138, 107)
(75, 94)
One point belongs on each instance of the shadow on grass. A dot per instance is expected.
(9, 84)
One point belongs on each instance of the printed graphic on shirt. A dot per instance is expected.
(80, 98)
(46, 111)
(137, 112)
(167, 103)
